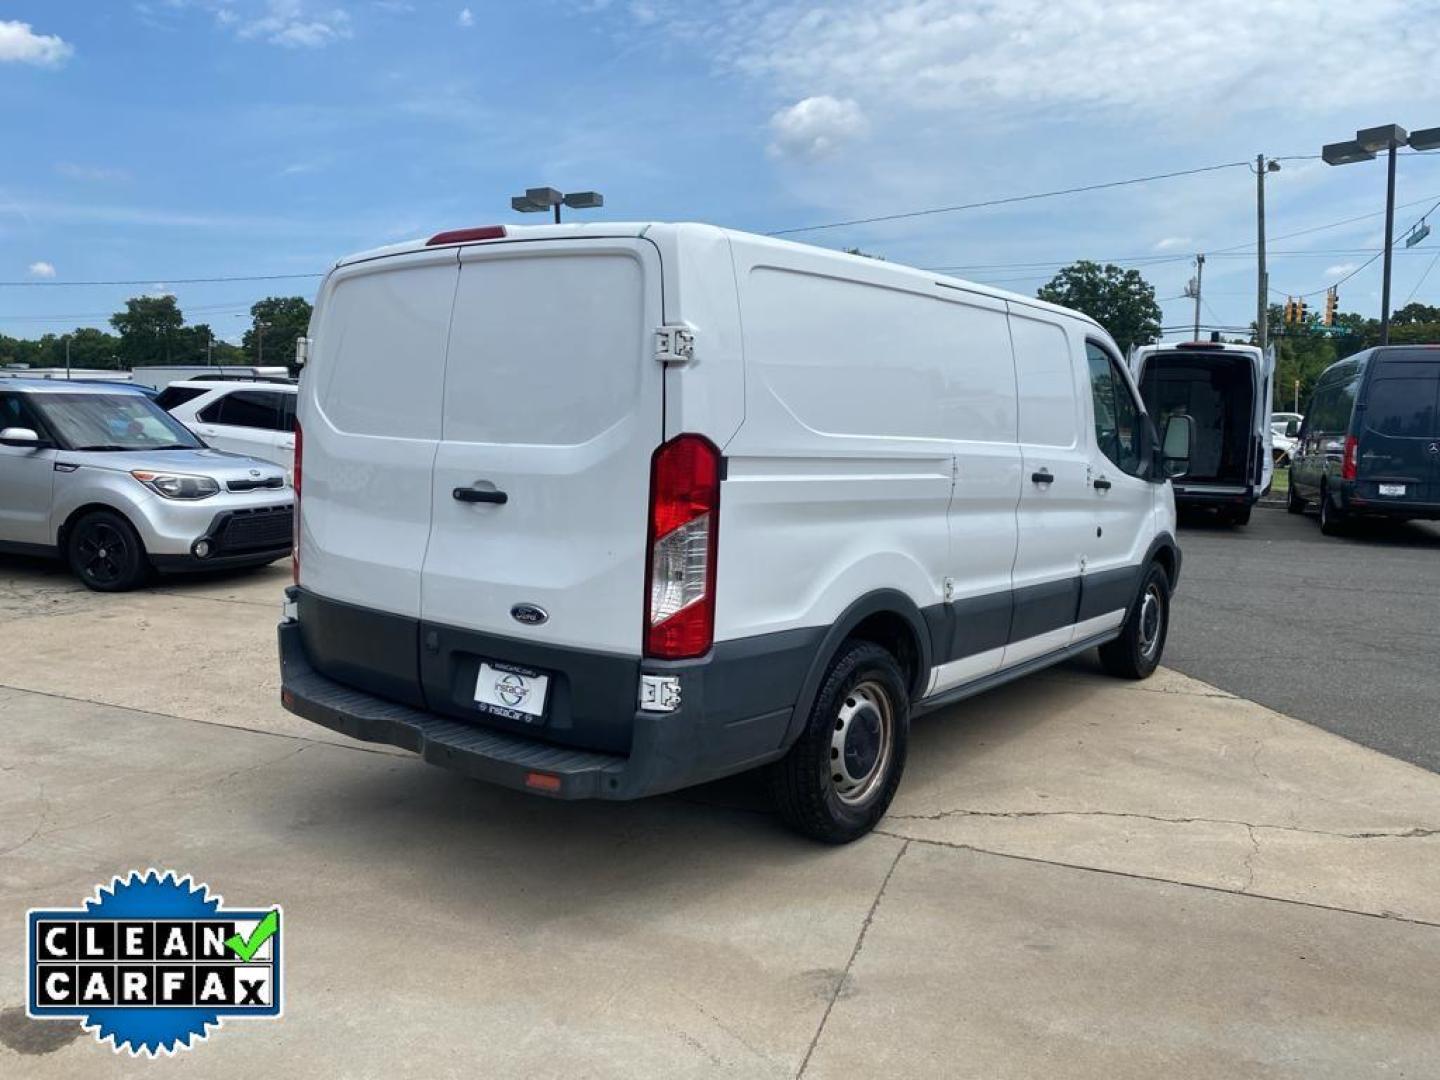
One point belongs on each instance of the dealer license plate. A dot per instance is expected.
(1392, 489)
(513, 692)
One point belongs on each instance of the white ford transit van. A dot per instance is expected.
(1226, 390)
(600, 511)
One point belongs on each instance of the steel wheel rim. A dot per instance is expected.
(103, 551)
(862, 743)
(1151, 623)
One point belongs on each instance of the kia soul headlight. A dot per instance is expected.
(177, 485)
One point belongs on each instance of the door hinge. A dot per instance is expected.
(949, 588)
(674, 344)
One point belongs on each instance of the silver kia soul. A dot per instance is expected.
(110, 482)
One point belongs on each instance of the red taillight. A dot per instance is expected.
(684, 529)
(295, 542)
(466, 236)
(1350, 466)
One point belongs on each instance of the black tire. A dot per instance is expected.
(1332, 521)
(1136, 653)
(1293, 502)
(105, 552)
(860, 721)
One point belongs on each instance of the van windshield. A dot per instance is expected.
(112, 422)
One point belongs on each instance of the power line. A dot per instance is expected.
(1423, 276)
(1010, 199)
(157, 278)
(1367, 262)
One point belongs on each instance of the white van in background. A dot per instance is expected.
(653, 504)
(1226, 390)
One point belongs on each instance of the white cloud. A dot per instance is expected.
(816, 127)
(466, 18)
(21, 45)
(1338, 270)
(1147, 55)
(41, 269)
(1170, 243)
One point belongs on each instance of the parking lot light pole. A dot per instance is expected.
(1366, 144)
(538, 200)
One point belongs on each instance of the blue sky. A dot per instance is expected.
(171, 139)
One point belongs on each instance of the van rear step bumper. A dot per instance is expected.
(668, 750)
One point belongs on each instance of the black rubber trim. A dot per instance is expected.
(373, 651)
(1042, 608)
(189, 564)
(1109, 590)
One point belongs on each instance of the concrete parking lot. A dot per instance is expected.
(1080, 878)
(1339, 631)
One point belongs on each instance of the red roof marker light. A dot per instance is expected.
(466, 236)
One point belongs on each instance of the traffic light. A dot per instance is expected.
(1302, 312)
(1332, 298)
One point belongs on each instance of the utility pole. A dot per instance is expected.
(1193, 290)
(67, 357)
(210, 350)
(1389, 243)
(1262, 299)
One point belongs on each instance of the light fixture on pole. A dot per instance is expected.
(1367, 143)
(539, 200)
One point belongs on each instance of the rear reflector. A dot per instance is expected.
(542, 781)
(298, 474)
(684, 530)
(466, 236)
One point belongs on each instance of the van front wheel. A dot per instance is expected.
(839, 777)
(1136, 653)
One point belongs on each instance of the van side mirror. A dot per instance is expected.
(23, 437)
(1175, 446)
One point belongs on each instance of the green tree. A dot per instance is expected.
(276, 322)
(1120, 300)
(149, 330)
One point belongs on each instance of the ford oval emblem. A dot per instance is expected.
(529, 614)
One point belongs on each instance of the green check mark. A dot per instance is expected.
(246, 948)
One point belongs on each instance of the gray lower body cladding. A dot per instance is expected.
(390, 679)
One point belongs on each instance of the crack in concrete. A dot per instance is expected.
(1388, 916)
(1250, 859)
(1414, 832)
(844, 979)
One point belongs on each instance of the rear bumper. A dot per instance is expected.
(700, 741)
(1374, 506)
(1217, 497)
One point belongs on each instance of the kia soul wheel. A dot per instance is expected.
(839, 777)
(105, 552)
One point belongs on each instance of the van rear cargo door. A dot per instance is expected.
(552, 410)
(1401, 425)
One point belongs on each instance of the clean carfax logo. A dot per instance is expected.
(152, 961)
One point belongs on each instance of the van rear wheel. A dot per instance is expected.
(1332, 521)
(839, 777)
(1136, 653)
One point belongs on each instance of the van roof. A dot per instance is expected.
(674, 231)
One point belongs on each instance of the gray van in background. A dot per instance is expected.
(1370, 443)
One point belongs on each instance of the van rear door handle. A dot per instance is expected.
(479, 495)
(1041, 478)
(1101, 484)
